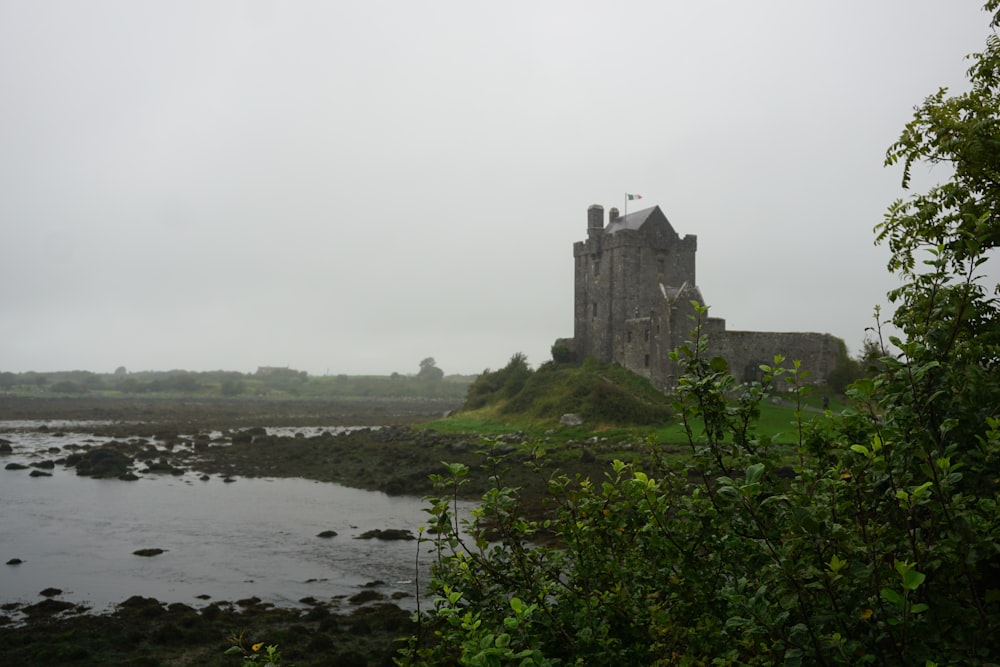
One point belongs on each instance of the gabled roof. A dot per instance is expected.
(633, 220)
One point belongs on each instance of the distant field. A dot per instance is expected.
(277, 384)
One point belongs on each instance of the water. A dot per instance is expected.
(229, 541)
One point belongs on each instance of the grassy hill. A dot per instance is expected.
(599, 393)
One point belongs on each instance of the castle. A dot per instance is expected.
(635, 281)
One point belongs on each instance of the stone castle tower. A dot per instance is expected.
(635, 281)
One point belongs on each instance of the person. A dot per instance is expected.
(826, 402)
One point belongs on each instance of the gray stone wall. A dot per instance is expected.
(747, 350)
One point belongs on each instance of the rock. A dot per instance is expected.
(242, 438)
(15, 466)
(50, 592)
(103, 462)
(148, 552)
(47, 464)
(252, 601)
(366, 596)
(570, 419)
(142, 607)
(163, 466)
(39, 473)
(48, 607)
(327, 534)
(248, 436)
(5, 447)
(14, 561)
(388, 534)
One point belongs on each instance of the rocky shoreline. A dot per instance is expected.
(145, 632)
(157, 437)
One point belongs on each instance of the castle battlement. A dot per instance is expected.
(634, 282)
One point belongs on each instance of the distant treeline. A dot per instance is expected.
(265, 382)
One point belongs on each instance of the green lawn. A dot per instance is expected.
(776, 420)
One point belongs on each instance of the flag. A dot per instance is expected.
(631, 197)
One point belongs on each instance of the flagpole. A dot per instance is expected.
(626, 204)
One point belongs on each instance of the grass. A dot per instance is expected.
(777, 420)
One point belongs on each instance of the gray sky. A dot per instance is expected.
(349, 187)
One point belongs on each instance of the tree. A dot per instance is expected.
(429, 370)
(958, 217)
(943, 303)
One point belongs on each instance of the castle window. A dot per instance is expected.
(593, 309)
(596, 266)
(646, 334)
(659, 264)
(628, 336)
(647, 361)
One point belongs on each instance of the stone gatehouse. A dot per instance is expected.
(635, 280)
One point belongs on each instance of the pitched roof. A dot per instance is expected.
(633, 220)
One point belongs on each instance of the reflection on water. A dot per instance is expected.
(254, 537)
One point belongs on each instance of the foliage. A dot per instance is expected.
(232, 387)
(492, 385)
(871, 553)
(562, 353)
(66, 387)
(880, 544)
(600, 393)
(846, 371)
(429, 370)
(280, 383)
(254, 655)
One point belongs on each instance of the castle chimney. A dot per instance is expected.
(612, 215)
(595, 220)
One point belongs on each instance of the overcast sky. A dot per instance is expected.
(353, 186)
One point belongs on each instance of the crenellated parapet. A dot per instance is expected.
(634, 280)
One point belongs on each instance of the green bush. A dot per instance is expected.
(562, 354)
(600, 393)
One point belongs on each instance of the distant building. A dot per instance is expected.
(635, 280)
